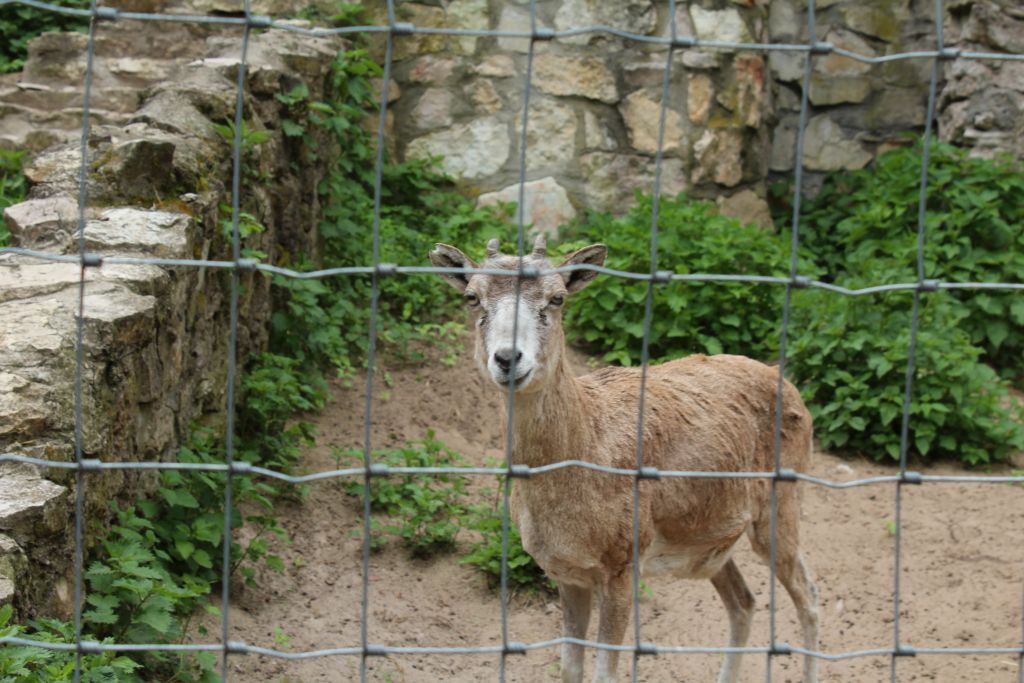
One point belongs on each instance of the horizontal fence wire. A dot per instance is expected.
(389, 269)
(370, 471)
(516, 472)
(543, 34)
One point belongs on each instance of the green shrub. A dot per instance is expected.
(20, 23)
(711, 317)
(13, 186)
(485, 555)
(864, 221)
(849, 357)
(134, 598)
(27, 664)
(424, 510)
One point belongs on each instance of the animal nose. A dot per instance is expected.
(503, 357)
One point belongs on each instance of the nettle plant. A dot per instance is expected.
(424, 510)
(739, 318)
(850, 355)
(865, 221)
(847, 355)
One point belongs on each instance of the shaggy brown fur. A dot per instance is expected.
(702, 413)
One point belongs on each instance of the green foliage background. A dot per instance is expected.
(864, 223)
(20, 23)
(848, 355)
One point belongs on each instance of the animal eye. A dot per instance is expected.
(471, 299)
(557, 300)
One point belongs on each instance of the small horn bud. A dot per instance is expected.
(493, 247)
(540, 246)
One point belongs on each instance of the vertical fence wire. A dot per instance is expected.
(226, 647)
(915, 313)
(506, 489)
(646, 340)
(80, 473)
(232, 360)
(371, 353)
(794, 260)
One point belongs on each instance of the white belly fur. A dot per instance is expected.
(685, 562)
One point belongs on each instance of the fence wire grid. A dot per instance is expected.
(365, 649)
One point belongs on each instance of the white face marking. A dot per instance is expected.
(499, 340)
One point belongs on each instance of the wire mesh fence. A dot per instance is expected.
(364, 649)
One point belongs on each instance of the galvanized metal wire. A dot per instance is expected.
(370, 470)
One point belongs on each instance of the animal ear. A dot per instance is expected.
(593, 255)
(446, 256)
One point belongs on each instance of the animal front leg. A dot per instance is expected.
(575, 619)
(616, 599)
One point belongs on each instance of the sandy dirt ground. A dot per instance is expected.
(962, 571)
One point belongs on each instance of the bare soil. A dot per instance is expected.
(962, 570)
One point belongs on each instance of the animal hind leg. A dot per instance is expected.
(791, 570)
(739, 603)
(794, 576)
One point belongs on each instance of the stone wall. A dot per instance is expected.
(732, 117)
(155, 344)
(982, 104)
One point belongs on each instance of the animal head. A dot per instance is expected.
(519, 344)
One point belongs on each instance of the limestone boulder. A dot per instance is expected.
(550, 134)
(611, 181)
(23, 409)
(138, 167)
(641, 112)
(784, 24)
(597, 135)
(38, 278)
(421, 43)
(877, 20)
(496, 66)
(130, 231)
(575, 76)
(484, 96)
(747, 207)
(433, 110)
(787, 66)
(834, 64)
(470, 150)
(830, 90)
(744, 93)
(700, 92)
(43, 223)
(170, 112)
(28, 503)
(467, 14)
(718, 158)
(826, 147)
(783, 150)
(514, 20)
(431, 69)
(726, 25)
(56, 57)
(649, 72)
(546, 204)
(635, 16)
(12, 565)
